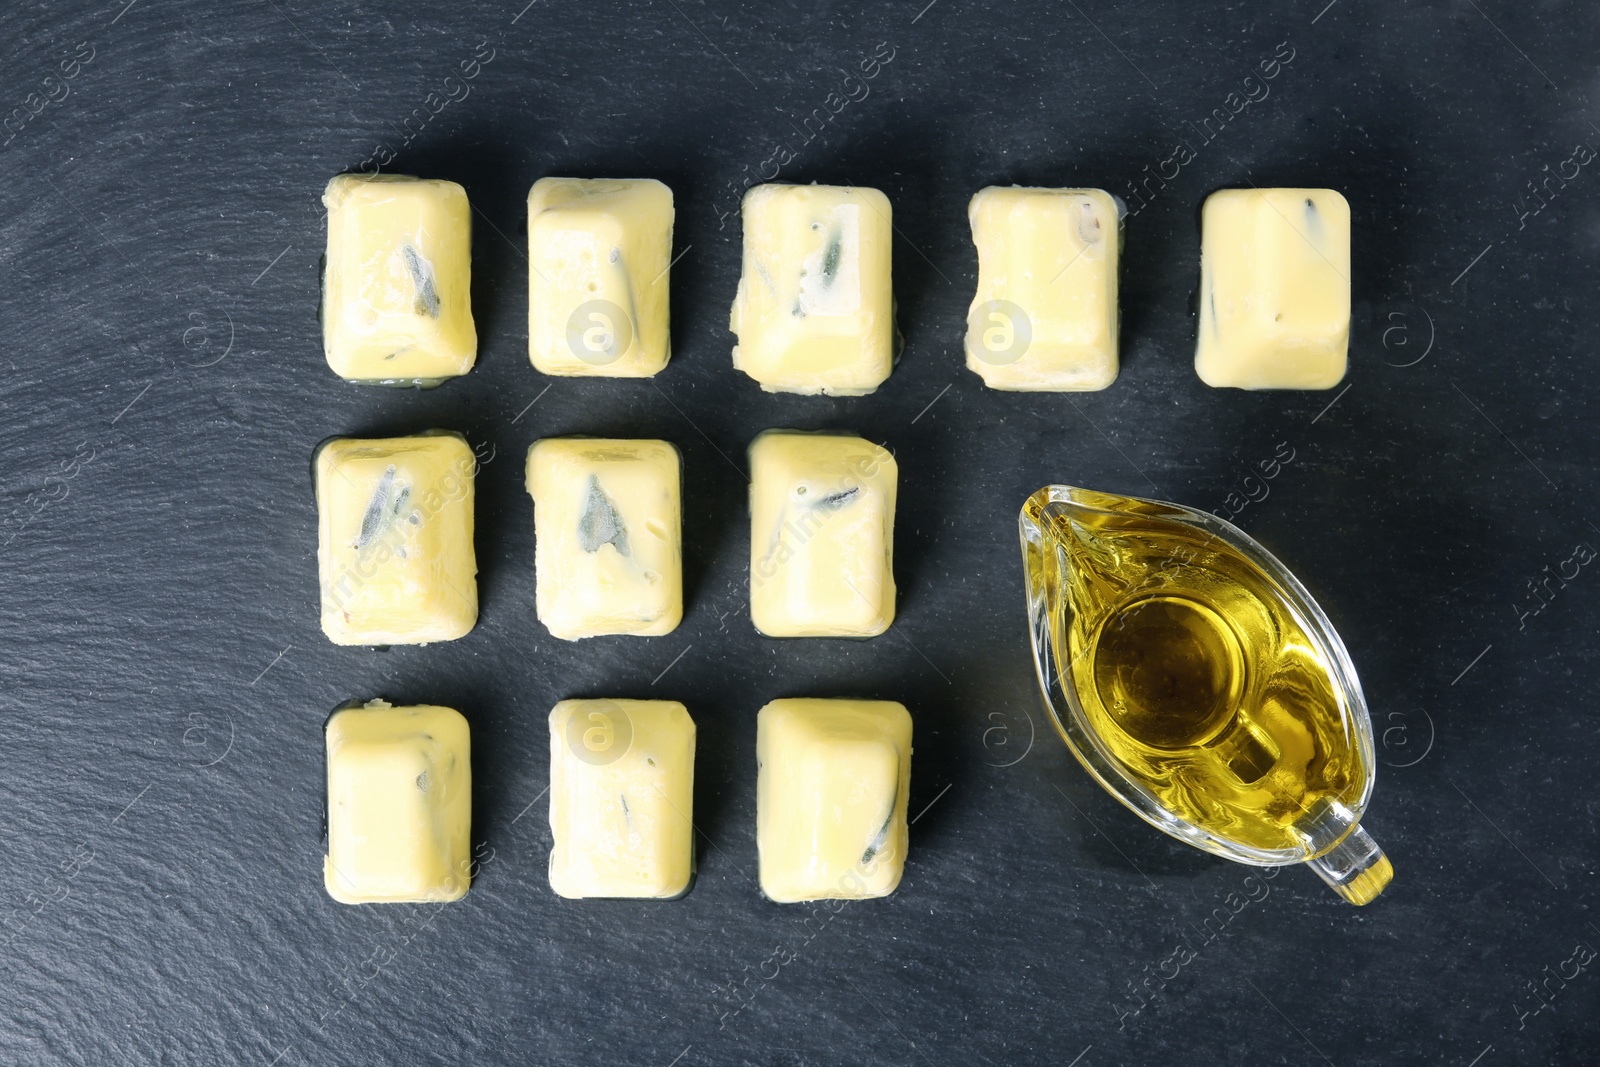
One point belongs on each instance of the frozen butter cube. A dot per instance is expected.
(394, 544)
(832, 782)
(598, 253)
(814, 312)
(399, 804)
(608, 538)
(821, 535)
(396, 298)
(621, 798)
(1274, 289)
(1045, 314)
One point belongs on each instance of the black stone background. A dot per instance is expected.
(164, 680)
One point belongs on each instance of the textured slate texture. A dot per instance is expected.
(163, 679)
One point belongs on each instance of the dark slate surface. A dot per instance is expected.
(164, 680)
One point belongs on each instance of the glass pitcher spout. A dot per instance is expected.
(1198, 681)
(1355, 868)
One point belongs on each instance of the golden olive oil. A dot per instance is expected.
(1198, 676)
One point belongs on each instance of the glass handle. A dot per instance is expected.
(1356, 867)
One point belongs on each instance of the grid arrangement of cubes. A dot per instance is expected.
(813, 313)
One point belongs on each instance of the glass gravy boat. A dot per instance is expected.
(1200, 684)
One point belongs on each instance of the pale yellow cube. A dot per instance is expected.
(1045, 314)
(394, 539)
(397, 284)
(598, 256)
(821, 535)
(399, 804)
(1274, 289)
(621, 798)
(814, 311)
(832, 784)
(608, 536)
